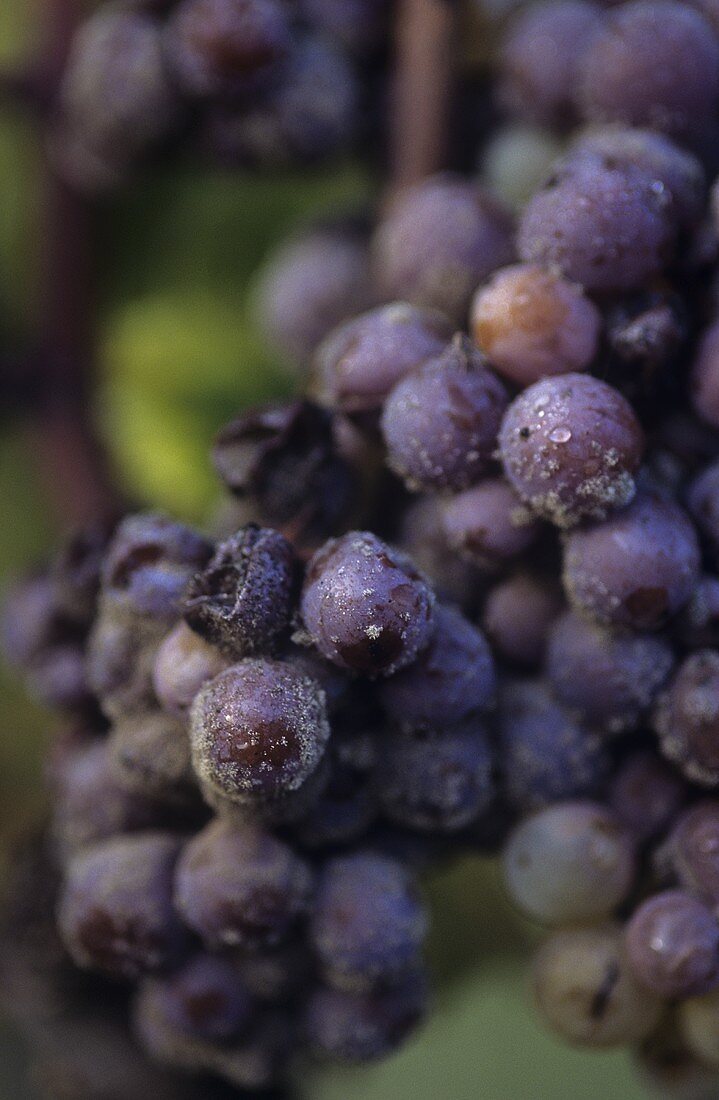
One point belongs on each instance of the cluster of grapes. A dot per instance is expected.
(465, 598)
(260, 83)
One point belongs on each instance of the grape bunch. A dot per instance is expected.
(252, 83)
(463, 596)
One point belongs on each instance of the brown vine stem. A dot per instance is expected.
(67, 451)
(422, 93)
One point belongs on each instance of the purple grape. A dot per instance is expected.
(452, 678)
(58, 679)
(570, 447)
(311, 284)
(488, 524)
(151, 755)
(440, 422)
(687, 717)
(656, 64)
(541, 59)
(345, 1026)
(421, 536)
(75, 572)
(703, 503)
(691, 851)
(368, 923)
(440, 240)
(240, 887)
(532, 323)
(697, 624)
(517, 616)
(242, 600)
(365, 606)
(605, 228)
(646, 793)
(609, 679)
(184, 663)
(115, 911)
(357, 365)
(672, 945)
(545, 754)
(637, 568)
(705, 377)
(204, 999)
(225, 47)
(437, 781)
(258, 730)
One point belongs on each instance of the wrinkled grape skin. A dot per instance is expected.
(357, 365)
(687, 717)
(438, 782)
(368, 923)
(604, 228)
(705, 377)
(258, 730)
(225, 46)
(569, 863)
(439, 240)
(637, 568)
(570, 447)
(243, 598)
(586, 992)
(541, 59)
(646, 794)
(365, 606)
(656, 64)
(609, 679)
(349, 1027)
(517, 615)
(691, 850)
(672, 945)
(184, 663)
(488, 524)
(545, 754)
(450, 679)
(237, 886)
(115, 911)
(532, 323)
(440, 422)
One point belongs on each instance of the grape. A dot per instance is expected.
(204, 999)
(284, 458)
(240, 887)
(516, 160)
(705, 377)
(606, 228)
(58, 679)
(345, 809)
(687, 717)
(29, 621)
(184, 663)
(242, 600)
(225, 47)
(570, 447)
(517, 616)
(421, 536)
(671, 85)
(436, 782)
(545, 754)
(151, 755)
(697, 624)
(357, 365)
(531, 323)
(451, 678)
(365, 606)
(488, 524)
(115, 912)
(645, 334)
(309, 285)
(672, 945)
(637, 568)
(258, 730)
(568, 863)
(609, 679)
(542, 58)
(440, 422)
(703, 503)
(120, 661)
(75, 572)
(368, 923)
(360, 1027)
(646, 794)
(586, 993)
(274, 974)
(691, 851)
(675, 172)
(439, 240)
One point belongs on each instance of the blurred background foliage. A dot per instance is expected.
(178, 353)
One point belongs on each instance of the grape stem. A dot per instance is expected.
(422, 92)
